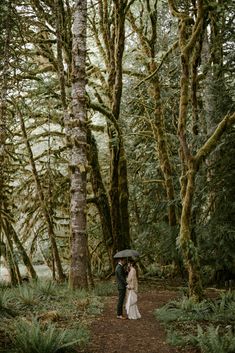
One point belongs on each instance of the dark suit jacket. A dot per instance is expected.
(120, 277)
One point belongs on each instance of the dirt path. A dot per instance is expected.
(111, 335)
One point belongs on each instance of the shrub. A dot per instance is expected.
(45, 288)
(26, 295)
(30, 337)
(212, 340)
(184, 310)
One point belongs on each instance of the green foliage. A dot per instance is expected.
(44, 316)
(30, 337)
(209, 340)
(175, 338)
(26, 295)
(184, 310)
(104, 289)
(197, 320)
(6, 297)
(212, 340)
(95, 307)
(221, 309)
(45, 289)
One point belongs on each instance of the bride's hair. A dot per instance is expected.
(134, 264)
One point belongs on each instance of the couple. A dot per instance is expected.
(129, 285)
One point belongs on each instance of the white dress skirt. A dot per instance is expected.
(131, 299)
(131, 305)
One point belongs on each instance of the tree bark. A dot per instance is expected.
(119, 195)
(77, 134)
(101, 197)
(5, 216)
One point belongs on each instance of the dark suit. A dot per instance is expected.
(121, 284)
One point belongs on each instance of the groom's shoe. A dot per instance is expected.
(121, 317)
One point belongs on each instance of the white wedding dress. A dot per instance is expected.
(131, 301)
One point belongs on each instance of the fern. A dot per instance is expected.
(30, 337)
(213, 341)
(184, 310)
(5, 299)
(45, 288)
(26, 295)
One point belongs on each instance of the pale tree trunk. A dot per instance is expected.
(3, 112)
(77, 134)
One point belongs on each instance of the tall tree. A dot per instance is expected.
(77, 134)
(6, 217)
(192, 24)
(110, 41)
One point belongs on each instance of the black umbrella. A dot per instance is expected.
(126, 253)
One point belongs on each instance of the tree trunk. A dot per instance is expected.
(119, 195)
(101, 197)
(190, 38)
(77, 133)
(44, 208)
(11, 263)
(5, 216)
(111, 26)
(26, 260)
(191, 35)
(188, 248)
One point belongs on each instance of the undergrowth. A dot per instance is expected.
(208, 325)
(44, 316)
(32, 337)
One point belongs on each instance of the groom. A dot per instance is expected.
(120, 274)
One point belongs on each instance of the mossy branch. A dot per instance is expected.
(211, 143)
(106, 112)
(173, 47)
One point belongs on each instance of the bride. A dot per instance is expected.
(132, 289)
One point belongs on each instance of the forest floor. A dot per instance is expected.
(146, 335)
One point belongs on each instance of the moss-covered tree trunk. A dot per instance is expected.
(77, 135)
(6, 216)
(190, 37)
(191, 34)
(188, 248)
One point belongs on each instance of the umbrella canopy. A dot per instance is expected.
(126, 253)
